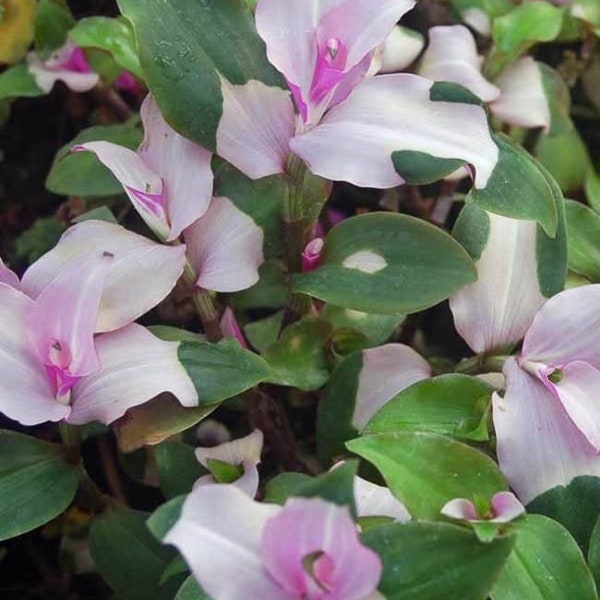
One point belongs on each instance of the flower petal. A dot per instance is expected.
(523, 101)
(25, 392)
(136, 366)
(376, 500)
(141, 273)
(401, 48)
(8, 277)
(225, 248)
(45, 77)
(183, 166)
(386, 371)
(452, 56)
(506, 507)
(498, 308)
(231, 328)
(62, 321)
(539, 447)
(578, 391)
(566, 329)
(143, 186)
(355, 143)
(254, 132)
(460, 508)
(308, 526)
(219, 534)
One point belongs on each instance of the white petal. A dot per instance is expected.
(400, 49)
(376, 500)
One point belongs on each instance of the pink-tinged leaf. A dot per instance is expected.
(254, 131)
(8, 277)
(566, 329)
(355, 143)
(376, 500)
(136, 366)
(460, 508)
(314, 530)
(25, 392)
(401, 48)
(498, 308)
(539, 446)
(143, 186)
(578, 391)
(141, 273)
(183, 166)
(231, 328)
(386, 371)
(452, 56)
(225, 248)
(523, 101)
(62, 322)
(219, 535)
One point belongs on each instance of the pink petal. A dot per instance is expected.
(376, 500)
(506, 507)
(136, 366)
(578, 391)
(225, 248)
(183, 166)
(498, 308)
(25, 392)
(255, 128)
(45, 76)
(8, 277)
(311, 255)
(401, 48)
(355, 143)
(566, 329)
(219, 534)
(523, 101)
(346, 568)
(62, 321)
(452, 56)
(230, 327)
(539, 447)
(128, 83)
(141, 273)
(460, 508)
(143, 185)
(386, 371)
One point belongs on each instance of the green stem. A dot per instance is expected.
(482, 364)
(70, 436)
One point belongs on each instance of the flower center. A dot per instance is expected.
(329, 70)
(59, 357)
(319, 567)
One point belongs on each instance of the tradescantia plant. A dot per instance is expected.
(345, 345)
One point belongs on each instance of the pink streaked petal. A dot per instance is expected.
(46, 77)
(386, 371)
(183, 166)
(8, 277)
(141, 183)
(523, 101)
(578, 391)
(376, 500)
(219, 534)
(304, 527)
(230, 327)
(539, 446)
(460, 508)
(254, 131)
(25, 392)
(136, 366)
(141, 274)
(506, 507)
(225, 248)
(498, 308)
(566, 329)
(401, 48)
(62, 321)
(354, 143)
(452, 56)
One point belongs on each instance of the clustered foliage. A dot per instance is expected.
(317, 314)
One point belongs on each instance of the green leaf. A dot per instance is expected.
(454, 405)
(594, 553)
(165, 516)
(583, 238)
(420, 168)
(53, 20)
(102, 213)
(592, 189)
(546, 564)
(299, 359)
(387, 263)
(270, 292)
(39, 238)
(178, 468)
(284, 486)
(435, 561)
(264, 333)
(426, 470)
(190, 590)
(575, 506)
(128, 557)
(493, 8)
(559, 100)
(224, 472)
(520, 188)
(37, 483)
(115, 36)
(81, 173)
(18, 82)
(223, 370)
(185, 46)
